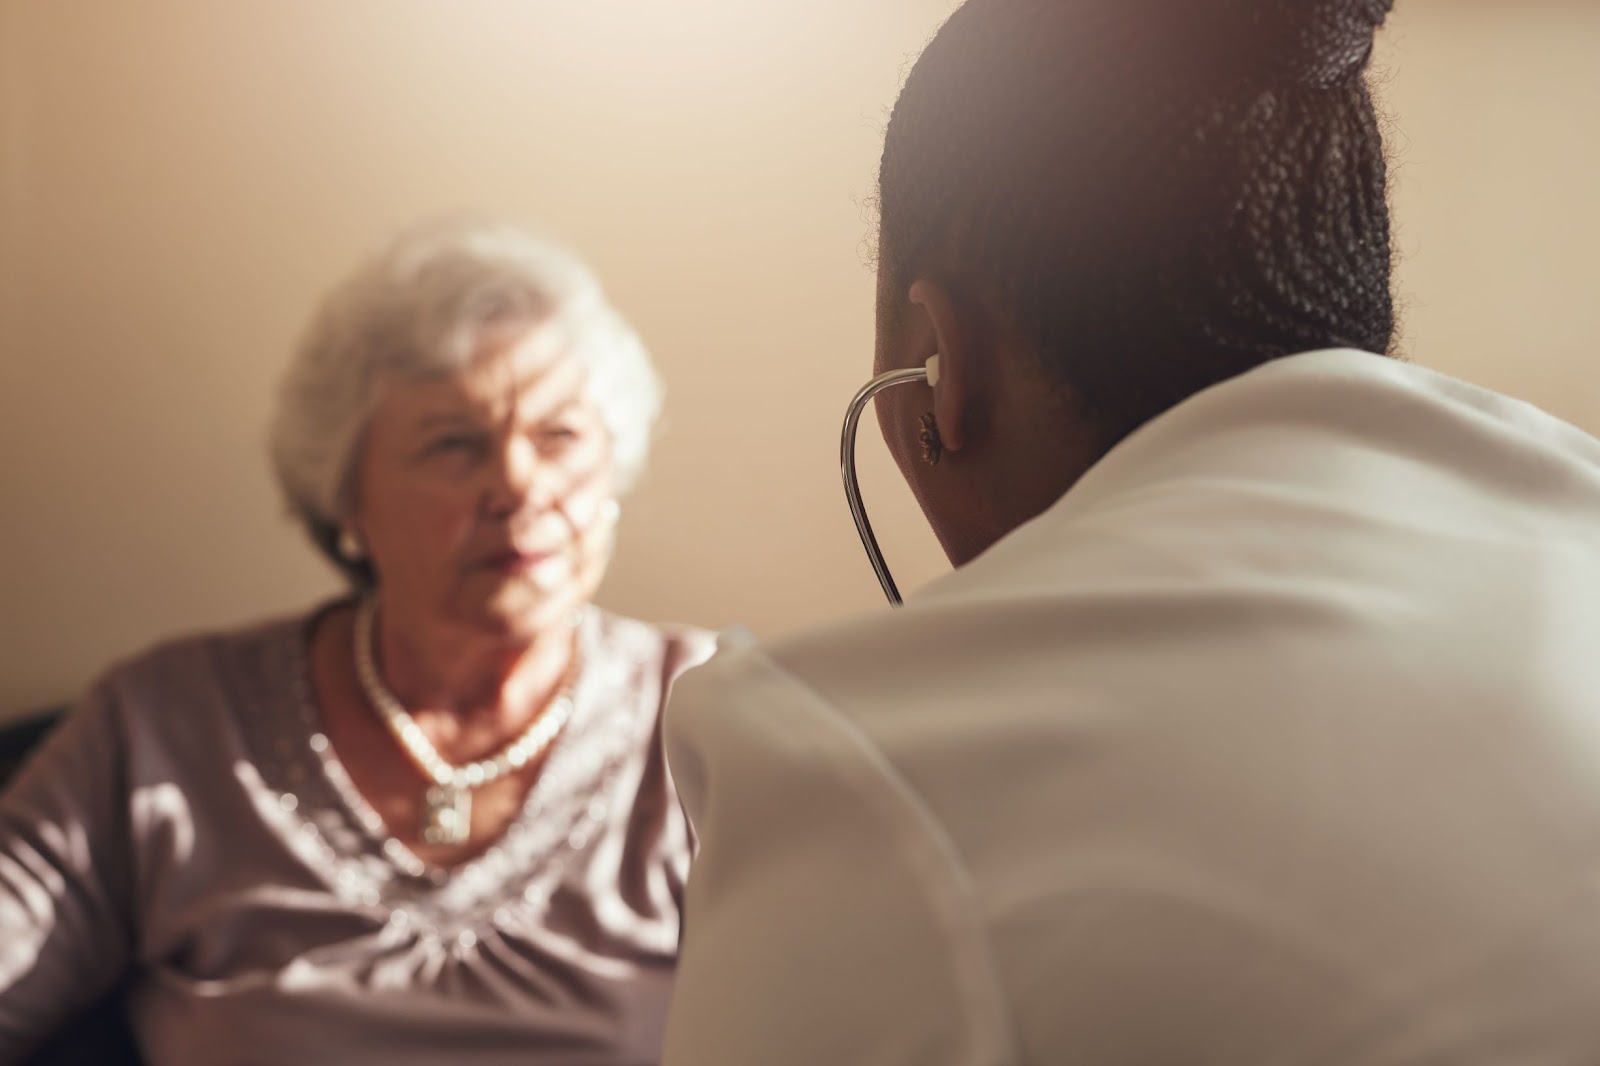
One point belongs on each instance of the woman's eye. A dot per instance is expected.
(453, 444)
(558, 434)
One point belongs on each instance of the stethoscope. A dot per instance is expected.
(847, 464)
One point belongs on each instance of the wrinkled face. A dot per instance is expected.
(485, 497)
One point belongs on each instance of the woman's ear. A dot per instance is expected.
(950, 334)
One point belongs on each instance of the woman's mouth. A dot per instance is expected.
(515, 562)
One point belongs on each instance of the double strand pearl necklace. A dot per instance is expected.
(447, 808)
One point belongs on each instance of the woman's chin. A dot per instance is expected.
(519, 607)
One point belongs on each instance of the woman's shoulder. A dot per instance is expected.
(203, 660)
(176, 703)
(885, 682)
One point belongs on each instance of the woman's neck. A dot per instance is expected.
(469, 688)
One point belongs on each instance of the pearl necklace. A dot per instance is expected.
(447, 813)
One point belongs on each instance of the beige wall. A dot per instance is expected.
(182, 177)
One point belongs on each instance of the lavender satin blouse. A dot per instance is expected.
(191, 830)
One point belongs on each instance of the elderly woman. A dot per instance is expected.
(426, 822)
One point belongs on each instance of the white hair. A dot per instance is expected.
(419, 309)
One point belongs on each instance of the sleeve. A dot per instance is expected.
(64, 874)
(684, 649)
(826, 919)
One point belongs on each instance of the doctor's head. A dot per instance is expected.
(1093, 209)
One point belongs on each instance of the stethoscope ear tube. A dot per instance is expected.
(847, 466)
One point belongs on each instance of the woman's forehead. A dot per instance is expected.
(528, 375)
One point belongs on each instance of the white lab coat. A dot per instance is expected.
(1276, 740)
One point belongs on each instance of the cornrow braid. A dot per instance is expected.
(1160, 194)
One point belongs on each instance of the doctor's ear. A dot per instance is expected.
(949, 368)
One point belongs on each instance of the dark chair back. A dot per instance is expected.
(20, 736)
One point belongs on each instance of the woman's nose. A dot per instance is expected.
(519, 478)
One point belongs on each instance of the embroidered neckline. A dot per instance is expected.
(343, 840)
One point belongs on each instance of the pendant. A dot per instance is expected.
(447, 816)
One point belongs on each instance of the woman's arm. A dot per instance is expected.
(65, 876)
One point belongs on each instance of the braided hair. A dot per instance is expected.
(1157, 194)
